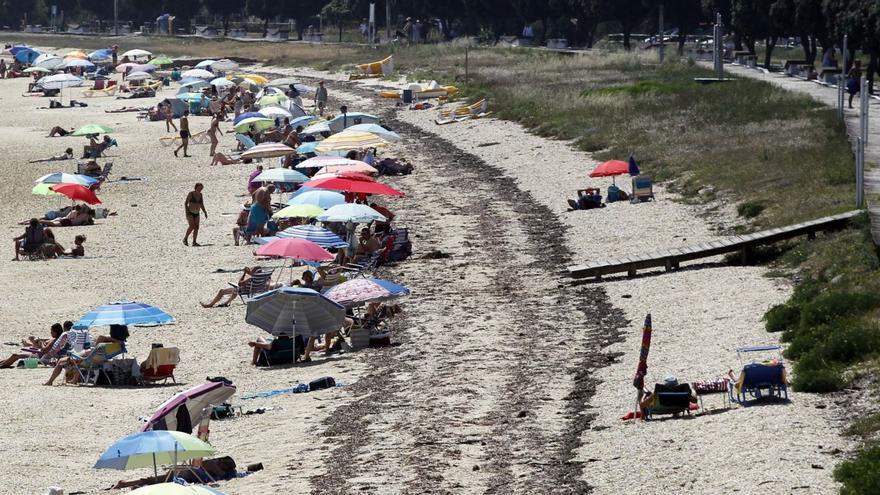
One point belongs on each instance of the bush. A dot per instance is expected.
(829, 307)
(860, 475)
(750, 209)
(851, 341)
(814, 375)
(782, 317)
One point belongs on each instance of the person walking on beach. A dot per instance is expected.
(854, 80)
(193, 204)
(321, 98)
(114, 52)
(2, 69)
(184, 133)
(212, 133)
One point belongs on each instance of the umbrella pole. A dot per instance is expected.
(174, 469)
(155, 469)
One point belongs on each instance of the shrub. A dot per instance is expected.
(829, 307)
(850, 341)
(813, 375)
(860, 475)
(782, 317)
(750, 209)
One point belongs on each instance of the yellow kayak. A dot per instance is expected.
(422, 95)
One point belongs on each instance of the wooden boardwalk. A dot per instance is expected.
(671, 258)
(827, 95)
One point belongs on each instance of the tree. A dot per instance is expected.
(225, 9)
(629, 13)
(264, 9)
(301, 11)
(337, 12)
(183, 11)
(684, 15)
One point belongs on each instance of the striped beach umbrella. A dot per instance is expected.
(277, 310)
(351, 140)
(296, 249)
(299, 211)
(358, 167)
(642, 369)
(280, 175)
(269, 150)
(318, 235)
(365, 290)
(63, 178)
(124, 313)
(326, 161)
(224, 64)
(377, 130)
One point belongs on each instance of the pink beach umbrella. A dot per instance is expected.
(299, 249)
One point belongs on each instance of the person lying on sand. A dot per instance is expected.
(48, 348)
(79, 215)
(221, 159)
(59, 131)
(67, 155)
(221, 468)
(128, 109)
(232, 292)
(118, 335)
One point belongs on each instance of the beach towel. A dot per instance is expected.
(257, 217)
(299, 389)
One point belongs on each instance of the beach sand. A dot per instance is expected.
(489, 389)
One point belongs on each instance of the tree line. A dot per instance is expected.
(818, 25)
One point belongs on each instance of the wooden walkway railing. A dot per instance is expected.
(671, 258)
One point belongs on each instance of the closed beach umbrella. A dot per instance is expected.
(186, 409)
(175, 489)
(90, 129)
(224, 64)
(204, 64)
(642, 368)
(299, 211)
(64, 178)
(293, 248)
(351, 140)
(270, 150)
(60, 81)
(365, 290)
(377, 130)
(353, 185)
(320, 198)
(136, 53)
(124, 313)
(319, 235)
(280, 175)
(138, 76)
(161, 61)
(151, 448)
(76, 192)
(351, 212)
(275, 312)
(198, 73)
(254, 124)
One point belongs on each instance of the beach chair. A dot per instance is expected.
(109, 90)
(257, 284)
(245, 142)
(397, 245)
(283, 350)
(197, 138)
(760, 380)
(364, 267)
(473, 111)
(642, 189)
(90, 369)
(669, 399)
(160, 365)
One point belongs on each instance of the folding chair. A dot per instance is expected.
(257, 284)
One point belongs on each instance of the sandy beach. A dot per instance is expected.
(504, 378)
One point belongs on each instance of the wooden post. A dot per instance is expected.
(466, 63)
(662, 41)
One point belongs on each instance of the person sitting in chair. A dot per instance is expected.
(587, 199)
(117, 338)
(33, 238)
(232, 292)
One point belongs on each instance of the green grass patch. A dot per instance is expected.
(751, 209)
(860, 476)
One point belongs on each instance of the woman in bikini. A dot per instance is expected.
(193, 204)
(212, 133)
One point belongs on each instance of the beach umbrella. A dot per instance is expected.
(198, 73)
(351, 140)
(90, 129)
(224, 64)
(136, 53)
(221, 82)
(270, 150)
(187, 409)
(43, 189)
(249, 85)
(161, 61)
(275, 311)
(377, 130)
(204, 64)
(31, 70)
(193, 85)
(319, 235)
(642, 368)
(254, 124)
(60, 81)
(361, 168)
(174, 489)
(275, 112)
(341, 122)
(611, 168)
(76, 54)
(151, 448)
(353, 184)
(302, 121)
(102, 54)
(26, 55)
(364, 290)
(143, 68)
(189, 96)
(300, 211)
(320, 198)
(17, 48)
(285, 82)
(76, 62)
(256, 78)
(138, 76)
(63, 178)
(351, 212)
(293, 248)
(48, 61)
(76, 192)
(317, 128)
(124, 313)
(327, 161)
(124, 67)
(270, 100)
(248, 115)
(280, 175)
(306, 148)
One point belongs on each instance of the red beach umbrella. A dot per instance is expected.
(295, 248)
(610, 169)
(76, 192)
(353, 184)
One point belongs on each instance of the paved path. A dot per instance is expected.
(828, 96)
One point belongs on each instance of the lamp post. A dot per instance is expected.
(116, 17)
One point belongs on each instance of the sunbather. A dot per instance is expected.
(232, 292)
(221, 159)
(79, 215)
(118, 335)
(58, 131)
(241, 224)
(67, 155)
(45, 345)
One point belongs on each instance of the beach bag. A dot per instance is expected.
(222, 411)
(322, 383)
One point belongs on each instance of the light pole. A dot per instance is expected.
(116, 17)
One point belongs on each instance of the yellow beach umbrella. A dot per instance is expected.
(350, 140)
(76, 54)
(256, 78)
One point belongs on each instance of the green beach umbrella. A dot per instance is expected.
(274, 99)
(42, 189)
(151, 448)
(299, 211)
(258, 124)
(92, 129)
(161, 60)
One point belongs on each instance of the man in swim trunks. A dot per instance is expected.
(184, 134)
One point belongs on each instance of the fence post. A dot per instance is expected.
(662, 43)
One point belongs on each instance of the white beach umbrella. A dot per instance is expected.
(317, 128)
(60, 81)
(275, 112)
(136, 53)
(48, 61)
(221, 82)
(328, 161)
(204, 64)
(224, 65)
(139, 76)
(198, 74)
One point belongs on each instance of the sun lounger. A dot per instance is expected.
(256, 284)
(160, 364)
(197, 138)
(108, 91)
(382, 67)
(669, 399)
(642, 189)
(474, 111)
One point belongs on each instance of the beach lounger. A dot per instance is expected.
(760, 381)
(474, 111)
(160, 364)
(90, 369)
(197, 138)
(669, 399)
(108, 91)
(383, 67)
(642, 189)
(257, 284)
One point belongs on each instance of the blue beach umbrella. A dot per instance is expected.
(318, 197)
(124, 313)
(302, 121)
(248, 115)
(26, 55)
(151, 448)
(318, 235)
(102, 54)
(275, 312)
